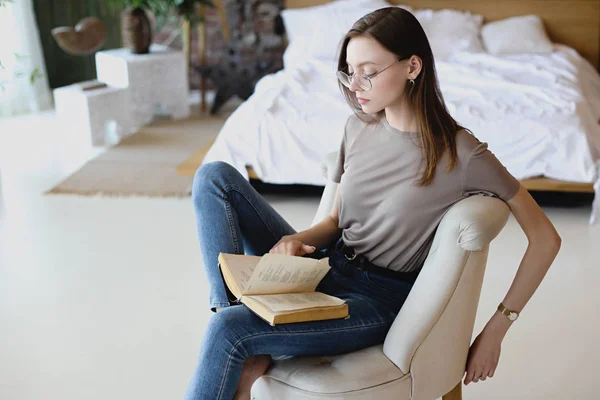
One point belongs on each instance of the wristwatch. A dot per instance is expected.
(511, 315)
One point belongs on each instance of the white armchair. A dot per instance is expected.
(425, 351)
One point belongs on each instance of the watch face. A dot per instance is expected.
(513, 316)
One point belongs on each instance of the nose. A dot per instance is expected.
(353, 86)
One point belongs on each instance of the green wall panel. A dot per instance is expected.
(62, 68)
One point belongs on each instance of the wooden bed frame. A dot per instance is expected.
(575, 23)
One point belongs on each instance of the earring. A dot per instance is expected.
(412, 82)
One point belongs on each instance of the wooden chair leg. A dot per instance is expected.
(454, 394)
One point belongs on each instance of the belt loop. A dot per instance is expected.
(361, 263)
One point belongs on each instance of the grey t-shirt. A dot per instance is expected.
(384, 214)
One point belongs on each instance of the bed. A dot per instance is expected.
(539, 112)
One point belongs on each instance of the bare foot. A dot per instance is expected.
(254, 368)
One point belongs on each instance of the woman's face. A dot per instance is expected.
(365, 57)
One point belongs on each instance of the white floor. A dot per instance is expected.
(104, 298)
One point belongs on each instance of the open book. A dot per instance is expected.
(280, 288)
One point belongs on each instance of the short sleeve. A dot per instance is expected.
(341, 159)
(484, 172)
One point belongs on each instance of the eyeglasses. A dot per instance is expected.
(362, 81)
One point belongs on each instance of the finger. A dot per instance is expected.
(290, 250)
(469, 377)
(295, 249)
(492, 371)
(482, 374)
(308, 249)
(477, 375)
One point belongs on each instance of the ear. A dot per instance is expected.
(414, 66)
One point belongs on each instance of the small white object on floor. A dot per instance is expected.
(89, 112)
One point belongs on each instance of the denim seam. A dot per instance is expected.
(236, 248)
(220, 304)
(284, 333)
(235, 188)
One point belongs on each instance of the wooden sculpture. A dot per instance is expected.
(87, 37)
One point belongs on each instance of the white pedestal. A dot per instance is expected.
(98, 113)
(157, 82)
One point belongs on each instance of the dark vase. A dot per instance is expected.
(136, 30)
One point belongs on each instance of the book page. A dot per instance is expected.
(279, 273)
(297, 301)
(241, 267)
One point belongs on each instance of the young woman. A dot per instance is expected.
(402, 163)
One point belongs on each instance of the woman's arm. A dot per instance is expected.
(322, 234)
(544, 244)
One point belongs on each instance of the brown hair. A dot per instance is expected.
(399, 31)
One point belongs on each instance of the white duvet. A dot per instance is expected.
(539, 113)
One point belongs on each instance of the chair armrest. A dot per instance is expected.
(431, 335)
(328, 164)
(328, 196)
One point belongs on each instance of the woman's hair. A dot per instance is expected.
(399, 32)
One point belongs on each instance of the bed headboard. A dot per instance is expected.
(575, 23)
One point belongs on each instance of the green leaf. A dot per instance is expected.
(35, 74)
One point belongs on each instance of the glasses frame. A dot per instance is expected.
(341, 74)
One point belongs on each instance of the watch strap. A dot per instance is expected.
(510, 314)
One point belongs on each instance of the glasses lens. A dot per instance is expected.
(345, 79)
(361, 82)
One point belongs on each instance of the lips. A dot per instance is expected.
(362, 101)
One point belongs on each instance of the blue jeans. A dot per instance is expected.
(233, 218)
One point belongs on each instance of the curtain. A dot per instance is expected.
(23, 80)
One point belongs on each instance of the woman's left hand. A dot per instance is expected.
(483, 357)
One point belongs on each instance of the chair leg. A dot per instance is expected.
(454, 394)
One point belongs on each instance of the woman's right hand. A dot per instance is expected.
(291, 247)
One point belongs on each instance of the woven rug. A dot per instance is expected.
(145, 163)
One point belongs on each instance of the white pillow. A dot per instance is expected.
(316, 32)
(525, 34)
(451, 31)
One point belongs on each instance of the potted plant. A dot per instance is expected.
(136, 29)
(136, 26)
